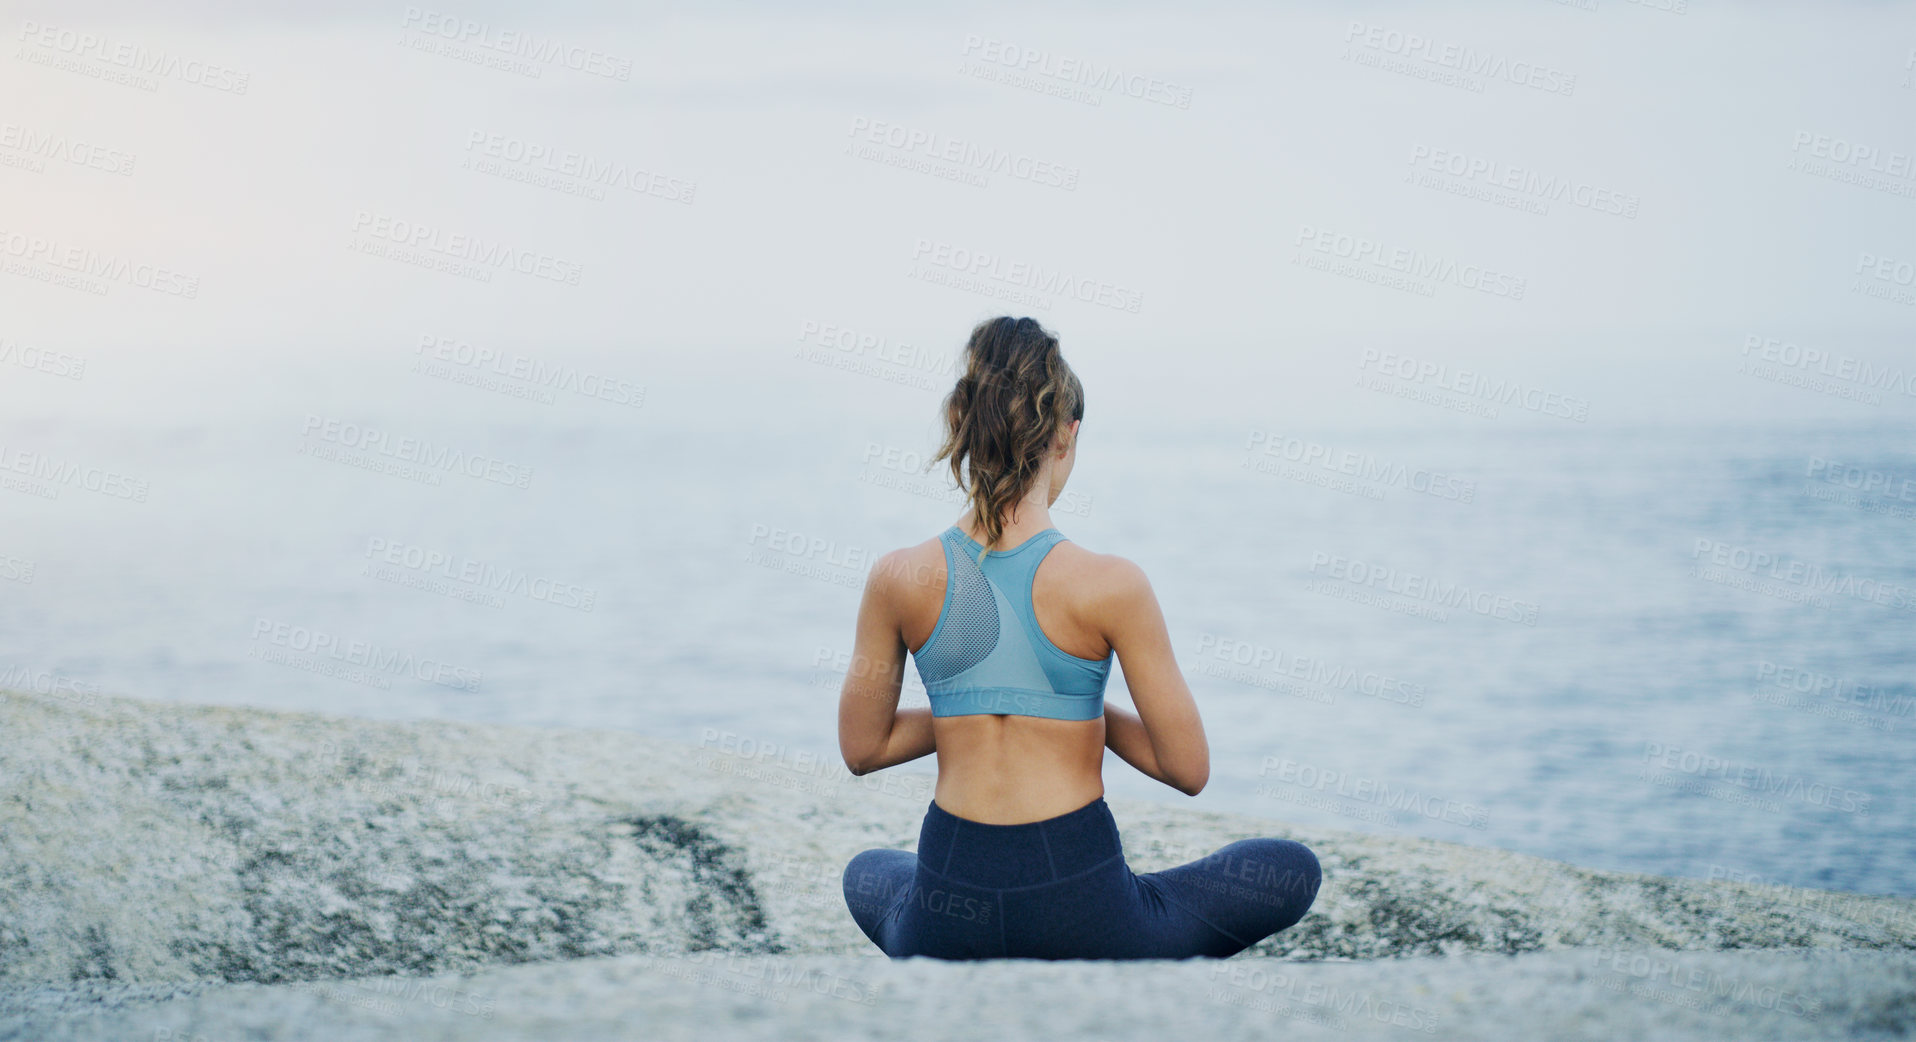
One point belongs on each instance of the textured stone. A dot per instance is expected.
(182, 860)
(1588, 994)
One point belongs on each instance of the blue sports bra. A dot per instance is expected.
(987, 654)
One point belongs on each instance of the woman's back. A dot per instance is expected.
(1013, 757)
(1006, 768)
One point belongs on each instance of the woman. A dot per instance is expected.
(1018, 856)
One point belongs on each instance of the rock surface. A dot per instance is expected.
(238, 869)
(1543, 995)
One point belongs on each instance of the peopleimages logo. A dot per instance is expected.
(1657, 970)
(1423, 588)
(1885, 278)
(533, 372)
(416, 451)
(1824, 686)
(1523, 180)
(1456, 58)
(479, 575)
(127, 55)
(1760, 780)
(1370, 790)
(14, 569)
(1405, 261)
(48, 475)
(1886, 269)
(301, 640)
(846, 340)
(49, 685)
(1826, 362)
(1078, 71)
(809, 548)
(52, 363)
(1869, 908)
(43, 146)
(517, 44)
(1848, 153)
(1361, 465)
(1279, 991)
(472, 249)
(90, 263)
(963, 153)
(1862, 479)
(1279, 664)
(1033, 277)
(1474, 385)
(588, 170)
(1806, 576)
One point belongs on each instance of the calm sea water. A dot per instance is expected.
(1677, 651)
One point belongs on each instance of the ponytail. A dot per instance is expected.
(1004, 414)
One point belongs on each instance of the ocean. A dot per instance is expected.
(1674, 650)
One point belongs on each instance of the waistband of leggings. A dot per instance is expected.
(1029, 854)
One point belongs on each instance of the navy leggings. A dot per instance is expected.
(1059, 889)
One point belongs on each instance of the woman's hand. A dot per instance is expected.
(1124, 734)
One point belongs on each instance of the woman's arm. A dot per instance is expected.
(1124, 734)
(1164, 739)
(873, 733)
(909, 739)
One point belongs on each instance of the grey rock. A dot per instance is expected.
(1589, 994)
(183, 860)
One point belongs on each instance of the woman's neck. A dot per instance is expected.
(1033, 515)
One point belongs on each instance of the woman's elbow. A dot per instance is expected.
(1191, 780)
(857, 760)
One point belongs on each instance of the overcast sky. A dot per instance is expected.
(1727, 172)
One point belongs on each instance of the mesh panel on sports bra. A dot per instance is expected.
(970, 625)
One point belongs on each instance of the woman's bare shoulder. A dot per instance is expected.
(913, 568)
(1102, 577)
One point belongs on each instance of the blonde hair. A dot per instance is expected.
(1015, 395)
